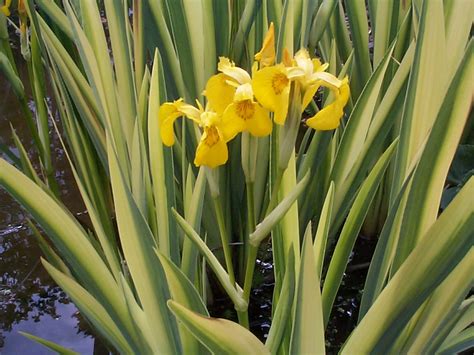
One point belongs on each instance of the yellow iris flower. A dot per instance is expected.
(5, 9)
(236, 102)
(212, 149)
(230, 93)
(271, 85)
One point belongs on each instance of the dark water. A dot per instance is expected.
(29, 300)
(345, 311)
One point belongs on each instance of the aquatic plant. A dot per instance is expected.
(165, 196)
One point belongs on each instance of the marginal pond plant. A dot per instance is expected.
(294, 130)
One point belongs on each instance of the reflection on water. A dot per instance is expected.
(29, 300)
(62, 332)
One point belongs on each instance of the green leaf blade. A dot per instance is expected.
(219, 335)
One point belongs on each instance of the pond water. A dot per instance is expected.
(29, 299)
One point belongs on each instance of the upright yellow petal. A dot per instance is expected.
(228, 67)
(212, 150)
(271, 88)
(243, 92)
(219, 94)
(318, 66)
(266, 56)
(210, 118)
(287, 60)
(303, 61)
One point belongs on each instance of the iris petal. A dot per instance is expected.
(266, 56)
(330, 116)
(232, 123)
(219, 94)
(167, 114)
(260, 124)
(228, 67)
(211, 155)
(326, 119)
(271, 88)
(309, 94)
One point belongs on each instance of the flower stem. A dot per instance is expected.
(243, 318)
(250, 208)
(249, 270)
(274, 196)
(224, 238)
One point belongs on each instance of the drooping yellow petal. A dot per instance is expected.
(266, 56)
(326, 119)
(260, 124)
(212, 150)
(219, 94)
(248, 116)
(330, 116)
(5, 9)
(167, 114)
(271, 88)
(231, 124)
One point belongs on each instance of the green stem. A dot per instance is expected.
(251, 253)
(274, 196)
(224, 238)
(249, 270)
(243, 318)
(250, 208)
(251, 250)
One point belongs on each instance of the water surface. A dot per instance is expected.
(29, 299)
